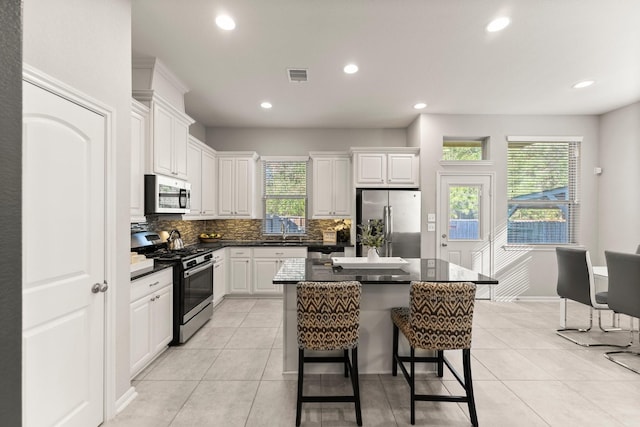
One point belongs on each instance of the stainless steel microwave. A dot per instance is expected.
(165, 195)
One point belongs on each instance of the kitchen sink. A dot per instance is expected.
(279, 243)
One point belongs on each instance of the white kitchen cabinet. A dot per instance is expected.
(239, 270)
(201, 174)
(219, 276)
(236, 184)
(331, 183)
(393, 167)
(267, 262)
(139, 137)
(169, 134)
(151, 318)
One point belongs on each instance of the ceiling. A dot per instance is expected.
(435, 51)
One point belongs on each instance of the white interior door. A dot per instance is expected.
(465, 226)
(63, 257)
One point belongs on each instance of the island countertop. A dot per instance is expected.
(295, 270)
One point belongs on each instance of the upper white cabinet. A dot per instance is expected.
(386, 167)
(332, 189)
(201, 173)
(169, 136)
(158, 88)
(236, 184)
(139, 136)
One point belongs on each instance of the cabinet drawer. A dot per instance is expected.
(151, 283)
(239, 252)
(218, 256)
(280, 252)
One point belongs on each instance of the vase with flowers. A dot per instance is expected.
(372, 236)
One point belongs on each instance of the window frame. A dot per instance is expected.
(265, 197)
(573, 205)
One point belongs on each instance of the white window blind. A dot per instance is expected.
(285, 196)
(543, 190)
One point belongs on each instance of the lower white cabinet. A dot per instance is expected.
(219, 276)
(252, 269)
(239, 270)
(151, 318)
(267, 262)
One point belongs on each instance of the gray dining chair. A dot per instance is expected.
(624, 294)
(576, 283)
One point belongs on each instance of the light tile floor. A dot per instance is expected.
(230, 374)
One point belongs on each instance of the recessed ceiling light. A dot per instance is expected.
(498, 24)
(225, 22)
(266, 105)
(420, 106)
(351, 68)
(583, 84)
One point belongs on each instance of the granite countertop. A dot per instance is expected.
(147, 271)
(295, 270)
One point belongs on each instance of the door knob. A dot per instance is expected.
(99, 287)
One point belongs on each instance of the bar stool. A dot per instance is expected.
(439, 318)
(329, 319)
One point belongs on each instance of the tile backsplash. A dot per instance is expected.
(240, 229)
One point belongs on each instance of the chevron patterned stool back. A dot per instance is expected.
(329, 319)
(439, 317)
(328, 315)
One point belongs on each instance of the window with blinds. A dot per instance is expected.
(285, 196)
(543, 190)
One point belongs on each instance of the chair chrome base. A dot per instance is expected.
(609, 354)
(583, 330)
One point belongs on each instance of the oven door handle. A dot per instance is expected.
(193, 271)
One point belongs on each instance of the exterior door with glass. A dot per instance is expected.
(465, 228)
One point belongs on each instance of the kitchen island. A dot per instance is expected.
(382, 289)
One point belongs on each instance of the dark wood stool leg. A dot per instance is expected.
(394, 366)
(440, 363)
(346, 363)
(356, 383)
(412, 386)
(468, 385)
(300, 377)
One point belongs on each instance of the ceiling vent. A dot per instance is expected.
(297, 75)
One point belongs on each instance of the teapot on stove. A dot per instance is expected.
(175, 242)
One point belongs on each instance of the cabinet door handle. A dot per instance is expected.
(154, 284)
(152, 299)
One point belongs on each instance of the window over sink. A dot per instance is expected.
(284, 196)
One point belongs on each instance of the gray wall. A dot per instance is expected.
(298, 142)
(199, 131)
(11, 213)
(63, 39)
(521, 273)
(619, 203)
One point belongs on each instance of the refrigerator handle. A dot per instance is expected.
(389, 223)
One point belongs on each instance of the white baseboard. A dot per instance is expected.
(125, 399)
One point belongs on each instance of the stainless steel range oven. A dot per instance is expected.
(192, 281)
(194, 306)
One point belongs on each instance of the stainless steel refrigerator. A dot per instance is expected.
(399, 211)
